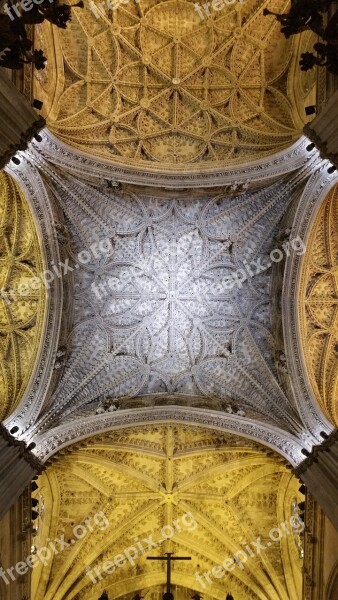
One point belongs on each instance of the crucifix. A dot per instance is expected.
(168, 558)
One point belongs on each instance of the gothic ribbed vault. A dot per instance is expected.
(168, 188)
(152, 82)
(162, 317)
(21, 314)
(318, 306)
(145, 478)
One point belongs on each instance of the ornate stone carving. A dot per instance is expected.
(295, 286)
(165, 311)
(156, 84)
(88, 167)
(22, 309)
(318, 306)
(286, 444)
(144, 478)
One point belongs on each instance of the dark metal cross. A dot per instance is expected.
(168, 558)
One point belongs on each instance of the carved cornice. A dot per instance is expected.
(22, 144)
(322, 145)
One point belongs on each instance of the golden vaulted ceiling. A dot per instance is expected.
(319, 306)
(21, 316)
(146, 478)
(151, 81)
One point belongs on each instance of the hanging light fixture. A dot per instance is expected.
(16, 49)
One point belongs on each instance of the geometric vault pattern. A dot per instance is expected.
(147, 477)
(153, 82)
(21, 312)
(158, 317)
(319, 306)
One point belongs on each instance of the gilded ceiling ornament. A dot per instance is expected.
(152, 82)
(21, 308)
(318, 305)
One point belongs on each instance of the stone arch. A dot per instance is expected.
(23, 308)
(48, 443)
(318, 186)
(42, 211)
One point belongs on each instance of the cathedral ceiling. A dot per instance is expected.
(163, 316)
(318, 306)
(21, 314)
(146, 478)
(152, 82)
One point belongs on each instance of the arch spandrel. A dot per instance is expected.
(318, 306)
(155, 84)
(22, 307)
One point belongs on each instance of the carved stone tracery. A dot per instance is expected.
(165, 312)
(144, 478)
(21, 314)
(153, 83)
(318, 306)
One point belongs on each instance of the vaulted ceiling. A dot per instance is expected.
(230, 490)
(178, 309)
(153, 82)
(22, 308)
(318, 306)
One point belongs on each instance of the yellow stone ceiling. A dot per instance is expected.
(145, 478)
(153, 82)
(21, 316)
(318, 306)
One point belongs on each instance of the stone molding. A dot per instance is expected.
(42, 210)
(53, 440)
(315, 191)
(80, 163)
(24, 453)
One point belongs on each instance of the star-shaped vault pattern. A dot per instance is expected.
(153, 82)
(165, 313)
